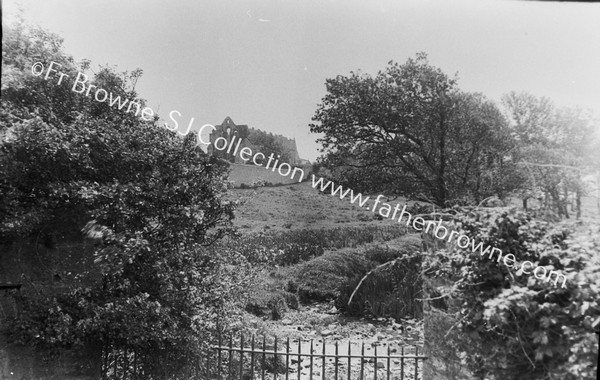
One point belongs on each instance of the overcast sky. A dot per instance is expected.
(264, 63)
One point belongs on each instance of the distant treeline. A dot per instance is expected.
(268, 143)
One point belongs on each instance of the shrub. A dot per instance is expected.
(267, 303)
(259, 182)
(152, 200)
(407, 245)
(505, 312)
(295, 246)
(445, 345)
(292, 300)
(292, 286)
(418, 208)
(320, 279)
(364, 217)
(390, 290)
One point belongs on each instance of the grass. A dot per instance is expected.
(291, 247)
(301, 206)
(333, 276)
(320, 279)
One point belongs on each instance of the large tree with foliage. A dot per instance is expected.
(409, 130)
(151, 199)
(553, 148)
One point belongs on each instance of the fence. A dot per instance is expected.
(286, 360)
(302, 360)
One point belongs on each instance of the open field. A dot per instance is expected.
(300, 206)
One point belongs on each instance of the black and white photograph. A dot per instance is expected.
(300, 190)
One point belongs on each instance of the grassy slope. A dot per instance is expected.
(299, 206)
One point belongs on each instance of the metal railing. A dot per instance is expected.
(250, 360)
(272, 359)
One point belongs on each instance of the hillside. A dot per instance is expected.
(299, 206)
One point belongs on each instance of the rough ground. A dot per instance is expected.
(312, 325)
(300, 206)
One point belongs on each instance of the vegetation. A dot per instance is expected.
(554, 148)
(334, 275)
(152, 201)
(393, 286)
(411, 131)
(295, 246)
(268, 144)
(517, 325)
(393, 289)
(169, 271)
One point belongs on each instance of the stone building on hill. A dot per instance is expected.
(246, 136)
(231, 132)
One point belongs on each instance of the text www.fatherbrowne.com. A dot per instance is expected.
(420, 224)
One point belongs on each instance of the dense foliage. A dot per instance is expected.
(519, 326)
(555, 148)
(268, 144)
(295, 246)
(409, 130)
(151, 200)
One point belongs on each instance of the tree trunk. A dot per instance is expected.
(525, 204)
(441, 184)
(565, 202)
(578, 203)
(556, 201)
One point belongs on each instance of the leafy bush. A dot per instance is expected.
(320, 279)
(419, 208)
(407, 245)
(520, 326)
(390, 290)
(269, 295)
(151, 200)
(295, 246)
(446, 347)
(270, 303)
(258, 182)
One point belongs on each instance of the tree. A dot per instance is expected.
(554, 147)
(409, 130)
(151, 199)
(269, 144)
